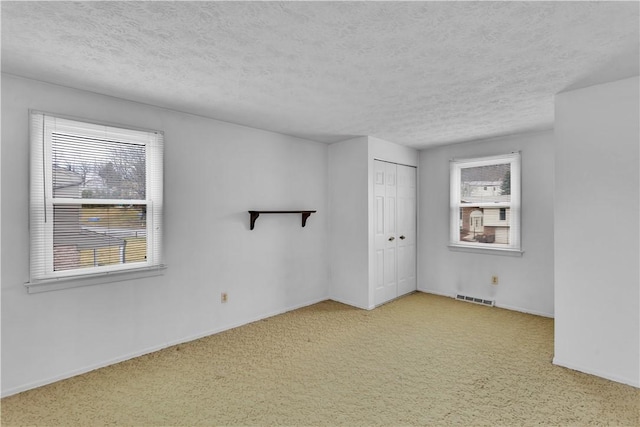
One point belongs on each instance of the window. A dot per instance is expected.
(96, 199)
(485, 203)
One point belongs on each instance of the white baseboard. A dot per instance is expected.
(352, 304)
(442, 294)
(634, 382)
(499, 305)
(524, 310)
(93, 367)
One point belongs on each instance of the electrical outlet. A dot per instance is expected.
(223, 297)
(494, 280)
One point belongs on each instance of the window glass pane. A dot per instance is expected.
(485, 184)
(86, 167)
(87, 236)
(485, 225)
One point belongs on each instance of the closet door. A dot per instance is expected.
(394, 214)
(406, 214)
(385, 236)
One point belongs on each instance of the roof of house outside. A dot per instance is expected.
(63, 178)
(485, 199)
(484, 183)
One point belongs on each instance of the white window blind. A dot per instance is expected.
(485, 203)
(96, 199)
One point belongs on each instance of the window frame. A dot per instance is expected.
(514, 248)
(42, 275)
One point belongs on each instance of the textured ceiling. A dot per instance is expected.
(415, 73)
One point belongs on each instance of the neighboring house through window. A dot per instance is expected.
(485, 202)
(96, 199)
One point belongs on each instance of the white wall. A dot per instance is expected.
(379, 149)
(348, 226)
(214, 173)
(597, 325)
(525, 283)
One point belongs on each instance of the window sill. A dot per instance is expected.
(486, 250)
(46, 285)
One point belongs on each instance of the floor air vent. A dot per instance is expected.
(467, 298)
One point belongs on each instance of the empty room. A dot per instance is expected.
(320, 213)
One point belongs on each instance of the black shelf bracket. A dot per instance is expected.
(256, 214)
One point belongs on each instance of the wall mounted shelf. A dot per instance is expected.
(256, 214)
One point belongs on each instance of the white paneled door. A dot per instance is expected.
(394, 230)
(406, 214)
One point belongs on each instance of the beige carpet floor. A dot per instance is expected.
(420, 360)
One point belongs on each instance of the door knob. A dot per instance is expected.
(391, 239)
(402, 237)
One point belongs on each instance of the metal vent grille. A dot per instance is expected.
(468, 298)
